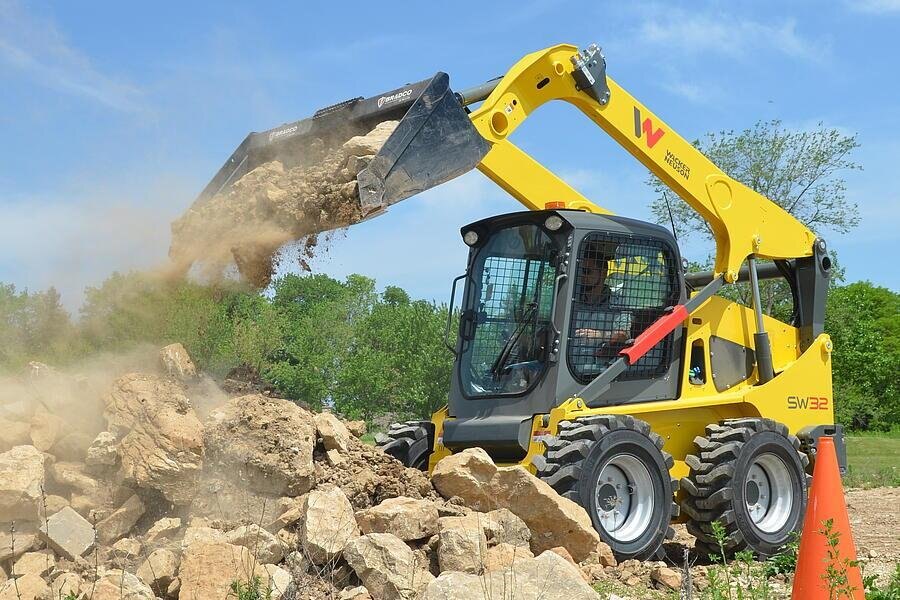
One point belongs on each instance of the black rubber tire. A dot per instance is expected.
(716, 486)
(576, 457)
(411, 443)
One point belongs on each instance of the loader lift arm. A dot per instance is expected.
(744, 223)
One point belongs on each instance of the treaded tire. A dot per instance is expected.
(577, 456)
(717, 487)
(410, 443)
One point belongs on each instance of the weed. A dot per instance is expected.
(251, 590)
(891, 592)
(741, 579)
(785, 561)
(836, 576)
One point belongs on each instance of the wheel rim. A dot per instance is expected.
(769, 493)
(624, 498)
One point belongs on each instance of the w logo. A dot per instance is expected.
(646, 126)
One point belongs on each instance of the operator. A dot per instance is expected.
(600, 329)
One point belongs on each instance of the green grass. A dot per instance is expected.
(368, 439)
(872, 459)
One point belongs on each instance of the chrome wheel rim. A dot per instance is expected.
(768, 493)
(624, 498)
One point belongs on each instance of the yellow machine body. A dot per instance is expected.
(744, 224)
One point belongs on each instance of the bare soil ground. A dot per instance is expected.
(875, 519)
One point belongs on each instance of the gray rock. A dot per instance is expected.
(67, 532)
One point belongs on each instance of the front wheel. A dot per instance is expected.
(750, 477)
(615, 468)
(410, 443)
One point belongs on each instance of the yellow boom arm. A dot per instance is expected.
(743, 222)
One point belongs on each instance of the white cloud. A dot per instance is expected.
(36, 48)
(877, 7)
(697, 33)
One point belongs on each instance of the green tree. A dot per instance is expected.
(800, 171)
(397, 363)
(34, 326)
(319, 315)
(864, 323)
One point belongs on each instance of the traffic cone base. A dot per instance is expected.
(826, 562)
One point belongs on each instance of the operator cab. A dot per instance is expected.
(550, 298)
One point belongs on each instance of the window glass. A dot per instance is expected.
(622, 284)
(509, 303)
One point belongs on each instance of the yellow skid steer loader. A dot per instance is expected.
(584, 350)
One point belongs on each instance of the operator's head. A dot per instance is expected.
(595, 262)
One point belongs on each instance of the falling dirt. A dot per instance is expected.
(271, 206)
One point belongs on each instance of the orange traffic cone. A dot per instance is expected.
(826, 570)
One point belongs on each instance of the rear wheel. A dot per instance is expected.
(410, 443)
(615, 468)
(749, 476)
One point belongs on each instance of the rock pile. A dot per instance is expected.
(159, 501)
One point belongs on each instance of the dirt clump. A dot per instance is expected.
(272, 205)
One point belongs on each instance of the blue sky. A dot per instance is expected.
(114, 115)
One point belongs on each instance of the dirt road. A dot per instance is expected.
(875, 519)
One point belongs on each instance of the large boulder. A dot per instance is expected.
(461, 544)
(501, 526)
(21, 478)
(547, 576)
(14, 433)
(46, 429)
(159, 570)
(334, 434)
(208, 570)
(265, 546)
(117, 585)
(164, 528)
(328, 524)
(467, 475)
(279, 582)
(27, 587)
(553, 520)
(72, 475)
(371, 143)
(36, 563)
(503, 556)
(14, 544)
(387, 567)
(121, 521)
(68, 533)
(64, 585)
(268, 442)
(161, 444)
(177, 362)
(102, 451)
(407, 518)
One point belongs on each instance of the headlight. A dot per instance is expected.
(553, 223)
(470, 238)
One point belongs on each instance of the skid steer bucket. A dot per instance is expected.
(434, 142)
